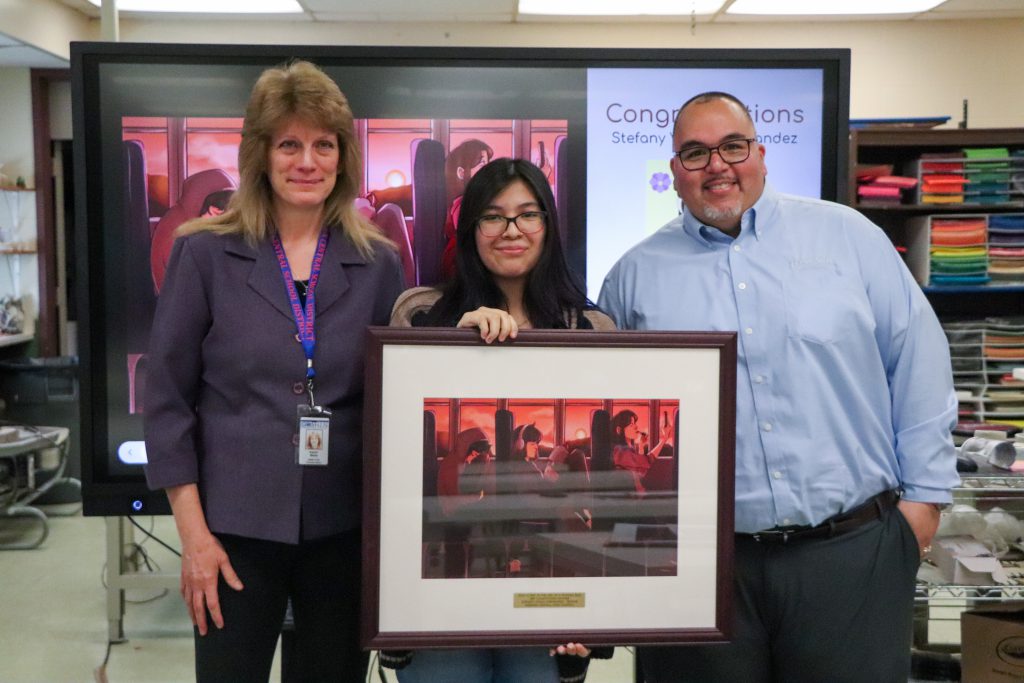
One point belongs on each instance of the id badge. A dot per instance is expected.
(314, 433)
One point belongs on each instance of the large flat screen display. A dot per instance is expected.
(157, 129)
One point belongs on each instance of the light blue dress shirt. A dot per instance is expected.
(844, 387)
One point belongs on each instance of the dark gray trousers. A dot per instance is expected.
(836, 610)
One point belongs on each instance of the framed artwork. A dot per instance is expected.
(564, 486)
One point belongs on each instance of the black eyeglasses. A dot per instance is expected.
(698, 157)
(528, 222)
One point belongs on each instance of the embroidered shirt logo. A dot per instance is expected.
(811, 262)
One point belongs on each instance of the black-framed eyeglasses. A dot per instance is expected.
(698, 157)
(492, 224)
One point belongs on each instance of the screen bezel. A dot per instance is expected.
(106, 492)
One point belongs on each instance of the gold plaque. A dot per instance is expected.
(520, 600)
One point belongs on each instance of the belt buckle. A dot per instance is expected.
(773, 536)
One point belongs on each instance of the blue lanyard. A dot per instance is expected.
(304, 319)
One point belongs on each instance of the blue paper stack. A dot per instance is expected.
(1006, 248)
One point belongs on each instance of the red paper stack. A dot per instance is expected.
(877, 185)
(942, 178)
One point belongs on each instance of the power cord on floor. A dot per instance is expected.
(375, 664)
(99, 674)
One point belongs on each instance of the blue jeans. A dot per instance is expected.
(499, 665)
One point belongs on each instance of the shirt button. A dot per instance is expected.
(778, 475)
(735, 247)
(295, 439)
(742, 285)
(759, 379)
(298, 388)
(767, 426)
(749, 330)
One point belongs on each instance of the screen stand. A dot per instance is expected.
(121, 576)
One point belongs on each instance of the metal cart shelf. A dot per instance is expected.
(938, 606)
(20, 472)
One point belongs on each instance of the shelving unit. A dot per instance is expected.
(910, 224)
(13, 246)
(17, 247)
(902, 148)
(939, 606)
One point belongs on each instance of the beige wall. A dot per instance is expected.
(898, 68)
(16, 154)
(919, 68)
(923, 68)
(46, 24)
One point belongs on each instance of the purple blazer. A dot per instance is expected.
(226, 374)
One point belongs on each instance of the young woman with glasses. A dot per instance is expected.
(511, 274)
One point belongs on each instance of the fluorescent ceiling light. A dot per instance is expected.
(605, 8)
(820, 7)
(217, 6)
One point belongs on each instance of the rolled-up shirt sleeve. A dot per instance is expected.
(915, 353)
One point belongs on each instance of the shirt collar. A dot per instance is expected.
(762, 209)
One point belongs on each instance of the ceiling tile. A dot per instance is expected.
(397, 10)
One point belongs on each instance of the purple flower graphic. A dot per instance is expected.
(660, 182)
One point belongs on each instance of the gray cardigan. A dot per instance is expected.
(226, 373)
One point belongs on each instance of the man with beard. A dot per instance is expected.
(844, 407)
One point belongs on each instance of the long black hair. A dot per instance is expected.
(622, 419)
(553, 295)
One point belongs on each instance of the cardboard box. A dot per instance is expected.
(965, 561)
(992, 642)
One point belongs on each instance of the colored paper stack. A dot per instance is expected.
(984, 353)
(1003, 350)
(979, 176)
(1017, 175)
(1006, 248)
(959, 250)
(942, 178)
(988, 175)
(966, 344)
(877, 185)
(884, 189)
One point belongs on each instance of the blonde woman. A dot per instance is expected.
(256, 344)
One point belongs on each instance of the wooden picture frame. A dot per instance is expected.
(452, 560)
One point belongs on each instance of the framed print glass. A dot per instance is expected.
(564, 486)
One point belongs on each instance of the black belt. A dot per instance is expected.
(840, 524)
